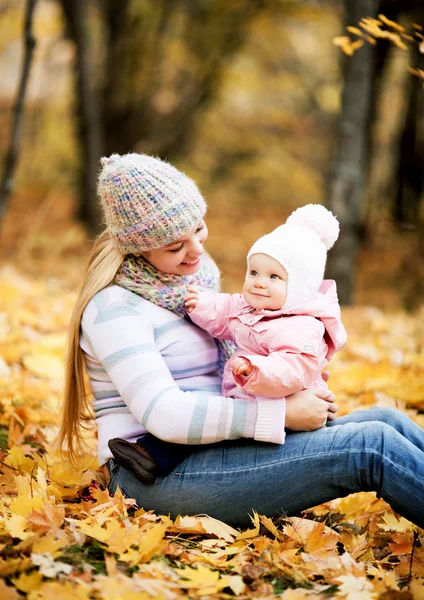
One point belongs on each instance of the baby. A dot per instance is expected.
(286, 323)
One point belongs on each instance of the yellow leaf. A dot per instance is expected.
(205, 524)
(28, 582)
(200, 578)
(400, 543)
(50, 543)
(321, 540)
(45, 365)
(358, 588)
(218, 528)
(24, 505)
(250, 533)
(416, 587)
(391, 523)
(94, 530)
(51, 518)
(341, 40)
(14, 565)
(151, 542)
(16, 526)
(391, 24)
(7, 592)
(270, 526)
(235, 583)
(354, 30)
(17, 459)
(51, 590)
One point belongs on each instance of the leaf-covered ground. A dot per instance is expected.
(62, 536)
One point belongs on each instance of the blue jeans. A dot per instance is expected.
(378, 450)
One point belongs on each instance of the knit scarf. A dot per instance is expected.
(137, 275)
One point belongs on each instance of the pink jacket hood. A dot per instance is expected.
(325, 307)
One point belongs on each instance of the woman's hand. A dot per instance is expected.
(310, 409)
(191, 299)
(241, 366)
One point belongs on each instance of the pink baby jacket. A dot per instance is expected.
(287, 351)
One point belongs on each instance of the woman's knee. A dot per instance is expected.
(386, 414)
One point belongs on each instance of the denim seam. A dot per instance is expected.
(306, 457)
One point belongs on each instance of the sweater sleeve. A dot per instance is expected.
(123, 340)
(289, 368)
(213, 312)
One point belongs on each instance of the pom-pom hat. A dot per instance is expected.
(147, 202)
(300, 246)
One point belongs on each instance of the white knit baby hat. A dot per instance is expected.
(301, 246)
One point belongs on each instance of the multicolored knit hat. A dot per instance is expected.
(147, 202)
(301, 246)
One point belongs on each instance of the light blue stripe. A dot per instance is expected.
(89, 342)
(107, 394)
(114, 359)
(193, 369)
(239, 418)
(109, 407)
(95, 369)
(195, 431)
(152, 404)
(213, 387)
(132, 299)
(100, 299)
(159, 331)
(115, 313)
(222, 422)
(134, 387)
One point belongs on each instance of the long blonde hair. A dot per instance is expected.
(103, 264)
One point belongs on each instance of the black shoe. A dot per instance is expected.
(136, 459)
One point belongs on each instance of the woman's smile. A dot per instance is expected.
(192, 263)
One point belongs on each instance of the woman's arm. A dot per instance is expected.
(123, 339)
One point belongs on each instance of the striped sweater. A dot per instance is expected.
(151, 370)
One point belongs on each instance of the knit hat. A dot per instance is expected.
(147, 202)
(300, 246)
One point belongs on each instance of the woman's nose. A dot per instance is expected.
(196, 247)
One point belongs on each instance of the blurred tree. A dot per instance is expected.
(348, 177)
(13, 150)
(163, 62)
(409, 184)
(87, 112)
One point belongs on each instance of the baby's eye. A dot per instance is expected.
(253, 273)
(274, 276)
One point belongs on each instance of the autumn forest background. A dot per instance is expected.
(268, 105)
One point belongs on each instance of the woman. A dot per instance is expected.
(150, 369)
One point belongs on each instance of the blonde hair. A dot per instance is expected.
(103, 264)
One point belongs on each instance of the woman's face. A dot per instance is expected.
(182, 257)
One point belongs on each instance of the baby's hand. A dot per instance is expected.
(191, 298)
(241, 366)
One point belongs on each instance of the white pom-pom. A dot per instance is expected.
(318, 218)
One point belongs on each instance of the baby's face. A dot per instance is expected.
(265, 285)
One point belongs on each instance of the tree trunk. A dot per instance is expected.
(89, 124)
(410, 172)
(348, 176)
(145, 108)
(15, 142)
